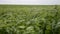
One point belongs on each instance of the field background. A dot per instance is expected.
(29, 19)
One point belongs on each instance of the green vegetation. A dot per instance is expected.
(22, 19)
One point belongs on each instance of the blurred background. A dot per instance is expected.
(31, 2)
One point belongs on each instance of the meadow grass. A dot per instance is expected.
(29, 19)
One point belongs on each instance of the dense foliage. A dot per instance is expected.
(29, 19)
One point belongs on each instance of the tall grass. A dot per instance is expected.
(29, 19)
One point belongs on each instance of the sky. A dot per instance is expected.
(33, 2)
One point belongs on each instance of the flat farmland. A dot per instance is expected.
(29, 19)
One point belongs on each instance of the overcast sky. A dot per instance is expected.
(53, 2)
